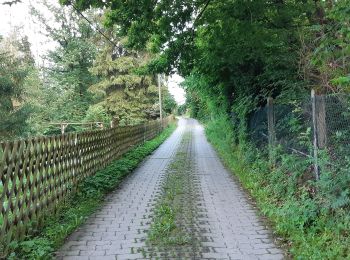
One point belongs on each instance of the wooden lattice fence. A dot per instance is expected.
(37, 173)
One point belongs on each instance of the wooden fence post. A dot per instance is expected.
(63, 128)
(321, 126)
(271, 129)
(315, 141)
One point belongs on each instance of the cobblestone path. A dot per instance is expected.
(217, 216)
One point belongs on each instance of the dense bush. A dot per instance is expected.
(311, 217)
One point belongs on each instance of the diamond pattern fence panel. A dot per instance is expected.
(36, 174)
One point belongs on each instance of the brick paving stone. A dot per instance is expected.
(130, 256)
(271, 257)
(226, 222)
(74, 258)
(111, 257)
(232, 217)
(123, 212)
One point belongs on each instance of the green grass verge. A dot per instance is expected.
(297, 207)
(165, 231)
(85, 201)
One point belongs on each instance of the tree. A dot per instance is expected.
(169, 103)
(238, 48)
(67, 74)
(127, 93)
(16, 63)
(325, 53)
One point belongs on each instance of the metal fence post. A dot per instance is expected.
(315, 141)
(271, 129)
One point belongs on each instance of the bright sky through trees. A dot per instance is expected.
(18, 15)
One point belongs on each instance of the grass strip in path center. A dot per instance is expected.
(173, 231)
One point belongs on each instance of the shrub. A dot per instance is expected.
(312, 217)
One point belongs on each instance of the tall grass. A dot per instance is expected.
(296, 206)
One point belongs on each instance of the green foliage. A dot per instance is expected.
(86, 200)
(16, 66)
(85, 78)
(330, 48)
(169, 103)
(127, 93)
(236, 53)
(164, 223)
(181, 110)
(126, 96)
(65, 95)
(312, 217)
(334, 184)
(96, 113)
(167, 227)
(232, 48)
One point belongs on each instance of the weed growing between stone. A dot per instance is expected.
(173, 221)
(85, 201)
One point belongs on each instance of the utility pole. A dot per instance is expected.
(160, 98)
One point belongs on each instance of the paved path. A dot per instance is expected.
(225, 223)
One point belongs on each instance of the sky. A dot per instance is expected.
(174, 88)
(18, 16)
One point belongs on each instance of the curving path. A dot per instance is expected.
(226, 225)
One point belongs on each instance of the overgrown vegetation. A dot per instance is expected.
(306, 213)
(16, 72)
(86, 200)
(166, 229)
(174, 213)
(234, 54)
(83, 78)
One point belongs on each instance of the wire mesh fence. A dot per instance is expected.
(258, 127)
(292, 122)
(310, 126)
(333, 129)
